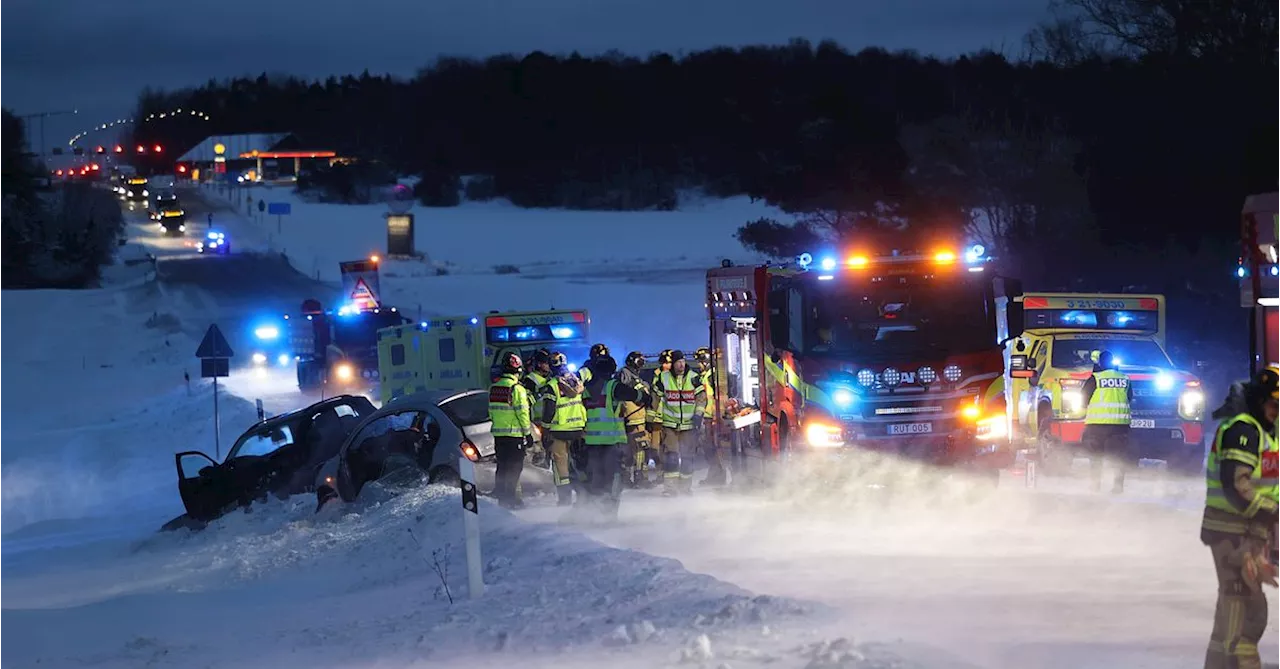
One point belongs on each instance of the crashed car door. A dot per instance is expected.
(202, 485)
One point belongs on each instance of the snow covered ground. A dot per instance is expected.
(838, 576)
(640, 274)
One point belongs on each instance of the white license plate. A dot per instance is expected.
(1145, 423)
(911, 428)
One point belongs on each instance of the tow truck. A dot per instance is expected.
(462, 352)
(337, 348)
(1063, 333)
(898, 353)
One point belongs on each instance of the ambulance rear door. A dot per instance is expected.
(451, 348)
(401, 368)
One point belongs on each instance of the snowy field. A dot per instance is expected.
(841, 575)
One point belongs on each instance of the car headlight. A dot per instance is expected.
(993, 427)
(1072, 401)
(821, 435)
(145, 193)
(344, 372)
(1191, 404)
(259, 358)
(182, 228)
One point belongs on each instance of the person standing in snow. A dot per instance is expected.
(1108, 396)
(683, 401)
(565, 418)
(717, 474)
(633, 417)
(1240, 515)
(653, 413)
(533, 381)
(605, 435)
(509, 412)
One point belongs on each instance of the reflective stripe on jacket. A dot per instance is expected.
(509, 408)
(604, 427)
(1220, 514)
(1109, 404)
(679, 399)
(570, 415)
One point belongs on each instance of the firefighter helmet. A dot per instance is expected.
(635, 360)
(558, 361)
(598, 351)
(703, 354)
(1265, 381)
(664, 358)
(511, 363)
(541, 357)
(676, 355)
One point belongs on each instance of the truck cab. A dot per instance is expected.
(135, 189)
(168, 212)
(898, 353)
(462, 352)
(1063, 334)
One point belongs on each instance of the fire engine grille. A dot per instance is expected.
(921, 407)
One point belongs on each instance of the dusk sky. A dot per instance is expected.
(96, 56)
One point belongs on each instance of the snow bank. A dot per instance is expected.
(294, 589)
(640, 274)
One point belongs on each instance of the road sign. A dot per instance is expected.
(262, 206)
(212, 368)
(214, 345)
(362, 295)
(278, 208)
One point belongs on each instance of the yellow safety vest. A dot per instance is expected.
(709, 410)
(654, 412)
(679, 399)
(1220, 515)
(509, 408)
(1109, 404)
(570, 416)
(634, 414)
(604, 427)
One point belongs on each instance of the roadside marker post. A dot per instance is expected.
(215, 360)
(471, 525)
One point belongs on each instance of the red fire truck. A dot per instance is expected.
(899, 353)
(1258, 272)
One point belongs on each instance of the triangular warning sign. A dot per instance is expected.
(361, 293)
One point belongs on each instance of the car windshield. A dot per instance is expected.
(262, 442)
(1072, 353)
(469, 409)
(895, 317)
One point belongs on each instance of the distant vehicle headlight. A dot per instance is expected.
(259, 358)
(1191, 404)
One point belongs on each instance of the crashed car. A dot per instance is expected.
(411, 437)
(277, 456)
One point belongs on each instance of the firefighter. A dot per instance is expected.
(717, 475)
(605, 435)
(683, 400)
(1106, 420)
(633, 417)
(653, 412)
(534, 379)
(597, 352)
(565, 418)
(509, 411)
(1239, 524)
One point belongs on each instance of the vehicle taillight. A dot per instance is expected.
(469, 450)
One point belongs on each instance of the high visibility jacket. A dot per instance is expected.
(1109, 404)
(604, 426)
(1220, 514)
(570, 415)
(681, 399)
(709, 392)
(533, 382)
(509, 408)
(654, 412)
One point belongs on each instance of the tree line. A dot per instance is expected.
(1130, 133)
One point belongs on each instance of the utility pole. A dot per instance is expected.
(42, 116)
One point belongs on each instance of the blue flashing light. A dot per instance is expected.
(266, 332)
(1164, 382)
(474, 320)
(804, 260)
(1081, 318)
(1275, 270)
(826, 277)
(975, 253)
(828, 264)
(422, 325)
(564, 332)
(573, 367)
(843, 397)
(283, 359)
(1240, 272)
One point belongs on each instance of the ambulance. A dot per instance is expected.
(462, 352)
(1062, 336)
